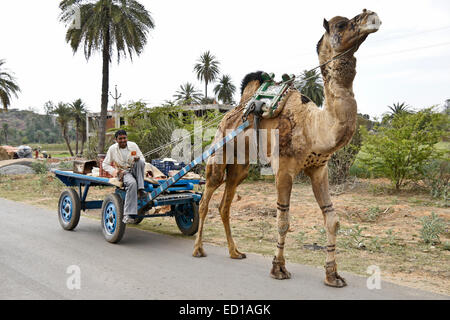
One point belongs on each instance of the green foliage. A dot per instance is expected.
(26, 126)
(187, 95)
(8, 86)
(312, 86)
(352, 237)
(400, 151)
(151, 128)
(225, 90)
(40, 167)
(207, 69)
(432, 227)
(436, 177)
(342, 160)
(126, 23)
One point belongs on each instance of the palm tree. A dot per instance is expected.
(207, 69)
(187, 94)
(312, 86)
(225, 90)
(105, 25)
(8, 86)
(64, 114)
(78, 110)
(398, 108)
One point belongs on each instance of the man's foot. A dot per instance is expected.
(128, 220)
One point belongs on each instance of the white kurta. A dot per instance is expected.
(122, 159)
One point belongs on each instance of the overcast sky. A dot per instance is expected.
(408, 59)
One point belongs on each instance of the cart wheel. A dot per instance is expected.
(112, 215)
(187, 218)
(69, 207)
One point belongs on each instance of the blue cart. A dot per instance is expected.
(174, 191)
(181, 197)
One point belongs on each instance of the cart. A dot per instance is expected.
(175, 191)
(181, 198)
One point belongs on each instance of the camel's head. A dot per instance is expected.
(342, 34)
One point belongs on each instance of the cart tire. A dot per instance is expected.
(188, 222)
(112, 215)
(69, 207)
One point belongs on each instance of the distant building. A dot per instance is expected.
(114, 119)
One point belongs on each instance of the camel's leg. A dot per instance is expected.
(284, 181)
(236, 173)
(319, 181)
(214, 178)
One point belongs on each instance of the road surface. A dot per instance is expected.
(39, 260)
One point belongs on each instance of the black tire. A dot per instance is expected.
(69, 207)
(112, 215)
(187, 218)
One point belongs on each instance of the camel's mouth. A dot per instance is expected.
(373, 23)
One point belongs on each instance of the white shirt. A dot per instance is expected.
(122, 158)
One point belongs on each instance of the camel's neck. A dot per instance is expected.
(340, 104)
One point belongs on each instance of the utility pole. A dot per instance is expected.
(116, 97)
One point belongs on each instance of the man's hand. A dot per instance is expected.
(136, 159)
(119, 174)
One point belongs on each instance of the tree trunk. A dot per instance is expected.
(67, 142)
(105, 88)
(82, 144)
(206, 89)
(77, 132)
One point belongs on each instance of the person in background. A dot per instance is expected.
(130, 169)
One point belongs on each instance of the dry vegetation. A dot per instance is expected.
(378, 226)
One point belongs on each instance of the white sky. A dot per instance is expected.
(245, 36)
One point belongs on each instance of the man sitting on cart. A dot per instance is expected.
(129, 168)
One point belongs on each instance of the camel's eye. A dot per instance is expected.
(341, 25)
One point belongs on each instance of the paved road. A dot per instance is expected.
(35, 254)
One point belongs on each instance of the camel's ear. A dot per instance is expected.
(326, 25)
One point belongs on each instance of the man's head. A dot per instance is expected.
(121, 138)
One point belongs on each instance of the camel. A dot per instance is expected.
(308, 136)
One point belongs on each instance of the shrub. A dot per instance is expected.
(432, 227)
(436, 177)
(341, 161)
(40, 167)
(402, 150)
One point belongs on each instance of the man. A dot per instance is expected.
(130, 169)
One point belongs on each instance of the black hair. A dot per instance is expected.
(120, 132)
(251, 77)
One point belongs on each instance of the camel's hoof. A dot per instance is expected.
(332, 278)
(279, 270)
(337, 282)
(199, 252)
(238, 255)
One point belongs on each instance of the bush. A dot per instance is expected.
(40, 167)
(436, 177)
(341, 161)
(432, 227)
(401, 151)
